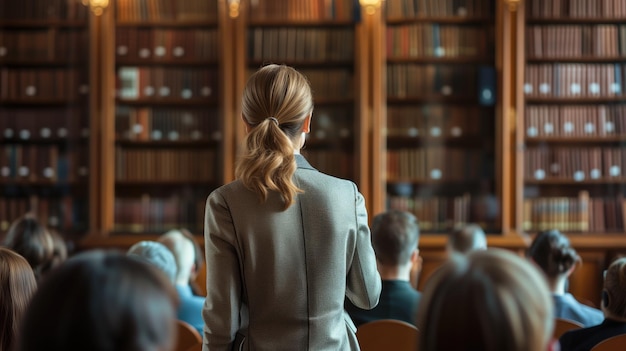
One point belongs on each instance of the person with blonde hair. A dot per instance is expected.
(614, 308)
(489, 300)
(190, 307)
(18, 285)
(553, 253)
(285, 244)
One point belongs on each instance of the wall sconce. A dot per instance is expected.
(233, 8)
(370, 5)
(96, 6)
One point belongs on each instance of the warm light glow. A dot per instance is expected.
(370, 5)
(233, 8)
(96, 6)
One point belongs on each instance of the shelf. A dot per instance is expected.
(39, 102)
(167, 143)
(300, 23)
(168, 102)
(206, 63)
(152, 183)
(171, 23)
(44, 141)
(303, 64)
(565, 20)
(424, 99)
(459, 20)
(42, 23)
(442, 60)
(568, 140)
(474, 141)
(443, 181)
(585, 59)
(34, 62)
(575, 100)
(569, 181)
(41, 183)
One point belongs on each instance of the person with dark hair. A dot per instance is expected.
(552, 252)
(285, 244)
(467, 238)
(18, 285)
(395, 235)
(614, 308)
(29, 238)
(101, 301)
(488, 300)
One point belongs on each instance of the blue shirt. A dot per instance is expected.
(566, 307)
(190, 308)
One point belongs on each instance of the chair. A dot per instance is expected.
(197, 347)
(188, 336)
(387, 334)
(615, 343)
(563, 325)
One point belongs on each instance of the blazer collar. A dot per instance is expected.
(301, 162)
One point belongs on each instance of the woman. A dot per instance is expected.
(552, 252)
(101, 301)
(18, 285)
(489, 300)
(285, 244)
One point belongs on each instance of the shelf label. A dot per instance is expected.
(148, 90)
(156, 134)
(413, 132)
(614, 171)
(62, 132)
(3, 51)
(23, 171)
(160, 51)
(196, 135)
(435, 173)
(5, 171)
(615, 88)
(555, 168)
(544, 88)
(45, 132)
(435, 131)
(532, 131)
(173, 135)
(216, 135)
(568, 127)
(48, 172)
(178, 51)
(30, 90)
(144, 53)
(456, 131)
(579, 176)
(528, 88)
(590, 128)
(164, 91)
(24, 134)
(594, 88)
(595, 174)
(8, 133)
(548, 128)
(575, 88)
(122, 50)
(540, 174)
(446, 90)
(206, 91)
(609, 127)
(186, 94)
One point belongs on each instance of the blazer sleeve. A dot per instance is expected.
(223, 282)
(363, 281)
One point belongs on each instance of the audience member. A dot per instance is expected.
(395, 236)
(467, 238)
(101, 301)
(59, 251)
(158, 255)
(197, 265)
(614, 308)
(552, 252)
(29, 238)
(18, 285)
(488, 300)
(285, 244)
(190, 307)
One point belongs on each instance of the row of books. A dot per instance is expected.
(166, 83)
(42, 83)
(570, 80)
(575, 121)
(43, 10)
(576, 9)
(155, 10)
(437, 121)
(435, 163)
(339, 163)
(43, 44)
(575, 41)
(42, 163)
(301, 44)
(438, 40)
(166, 44)
(439, 8)
(575, 164)
(162, 164)
(329, 82)
(153, 214)
(416, 80)
(62, 213)
(575, 214)
(303, 10)
(437, 213)
(27, 124)
(332, 123)
(167, 124)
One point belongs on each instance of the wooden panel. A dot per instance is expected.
(586, 281)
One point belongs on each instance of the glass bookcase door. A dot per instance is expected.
(45, 114)
(441, 110)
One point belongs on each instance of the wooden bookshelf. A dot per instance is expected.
(46, 115)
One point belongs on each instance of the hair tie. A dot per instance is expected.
(273, 119)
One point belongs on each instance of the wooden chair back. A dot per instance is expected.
(387, 334)
(616, 343)
(563, 325)
(197, 347)
(188, 336)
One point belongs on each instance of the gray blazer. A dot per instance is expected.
(278, 279)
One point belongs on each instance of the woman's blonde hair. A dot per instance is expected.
(490, 300)
(276, 102)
